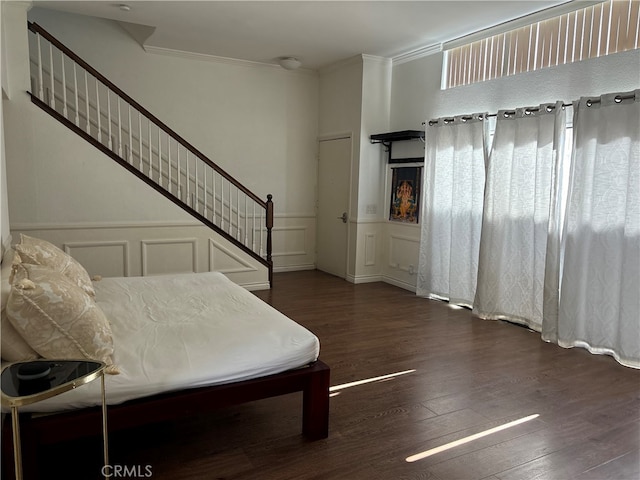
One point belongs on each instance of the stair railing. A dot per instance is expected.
(79, 96)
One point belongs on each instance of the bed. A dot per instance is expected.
(183, 345)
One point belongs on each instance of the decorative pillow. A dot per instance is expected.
(40, 252)
(13, 348)
(57, 318)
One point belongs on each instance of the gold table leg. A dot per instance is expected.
(17, 451)
(105, 437)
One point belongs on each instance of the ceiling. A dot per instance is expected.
(318, 33)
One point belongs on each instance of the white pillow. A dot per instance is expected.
(40, 252)
(57, 318)
(13, 347)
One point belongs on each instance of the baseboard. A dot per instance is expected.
(364, 279)
(293, 268)
(398, 283)
(252, 287)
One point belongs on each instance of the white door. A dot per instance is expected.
(334, 180)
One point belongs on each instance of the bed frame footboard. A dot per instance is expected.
(312, 381)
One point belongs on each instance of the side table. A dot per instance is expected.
(24, 383)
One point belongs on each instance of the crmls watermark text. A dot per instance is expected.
(127, 471)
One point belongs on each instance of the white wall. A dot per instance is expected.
(355, 100)
(416, 97)
(259, 123)
(340, 115)
(375, 111)
(416, 94)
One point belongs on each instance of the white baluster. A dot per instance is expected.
(75, 92)
(253, 228)
(261, 223)
(195, 166)
(40, 81)
(149, 143)
(178, 172)
(222, 203)
(119, 128)
(140, 139)
(86, 101)
(98, 112)
(130, 156)
(159, 156)
(204, 188)
(169, 160)
(230, 212)
(187, 178)
(237, 213)
(246, 220)
(109, 142)
(64, 86)
(213, 196)
(52, 95)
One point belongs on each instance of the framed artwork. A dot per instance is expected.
(405, 194)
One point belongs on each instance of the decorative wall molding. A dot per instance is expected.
(69, 246)
(26, 227)
(393, 250)
(223, 60)
(355, 60)
(370, 249)
(147, 244)
(417, 53)
(216, 246)
(302, 251)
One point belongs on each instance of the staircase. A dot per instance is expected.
(73, 92)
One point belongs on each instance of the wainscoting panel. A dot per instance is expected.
(169, 255)
(223, 259)
(123, 249)
(107, 259)
(401, 250)
(294, 242)
(402, 244)
(370, 250)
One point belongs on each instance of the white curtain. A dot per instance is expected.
(599, 305)
(452, 208)
(521, 174)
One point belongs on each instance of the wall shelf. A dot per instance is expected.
(387, 140)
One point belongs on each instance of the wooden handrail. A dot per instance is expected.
(35, 28)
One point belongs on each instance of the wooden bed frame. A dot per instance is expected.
(38, 431)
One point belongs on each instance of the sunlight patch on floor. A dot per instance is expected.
(369, 380)
(462, 441)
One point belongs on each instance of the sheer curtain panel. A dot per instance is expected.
(452, 212)
(600, 292)
(520, 176)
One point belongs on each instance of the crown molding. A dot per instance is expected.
(203, 57)
(355, 60)
(376, 59)
(417, 53)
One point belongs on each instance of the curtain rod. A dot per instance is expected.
(617, 99)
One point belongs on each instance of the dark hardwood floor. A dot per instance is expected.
(460, 376)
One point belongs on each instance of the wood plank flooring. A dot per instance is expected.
(460, 376)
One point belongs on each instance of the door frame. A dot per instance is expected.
(327, 138)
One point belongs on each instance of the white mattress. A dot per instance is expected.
(184, 331)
